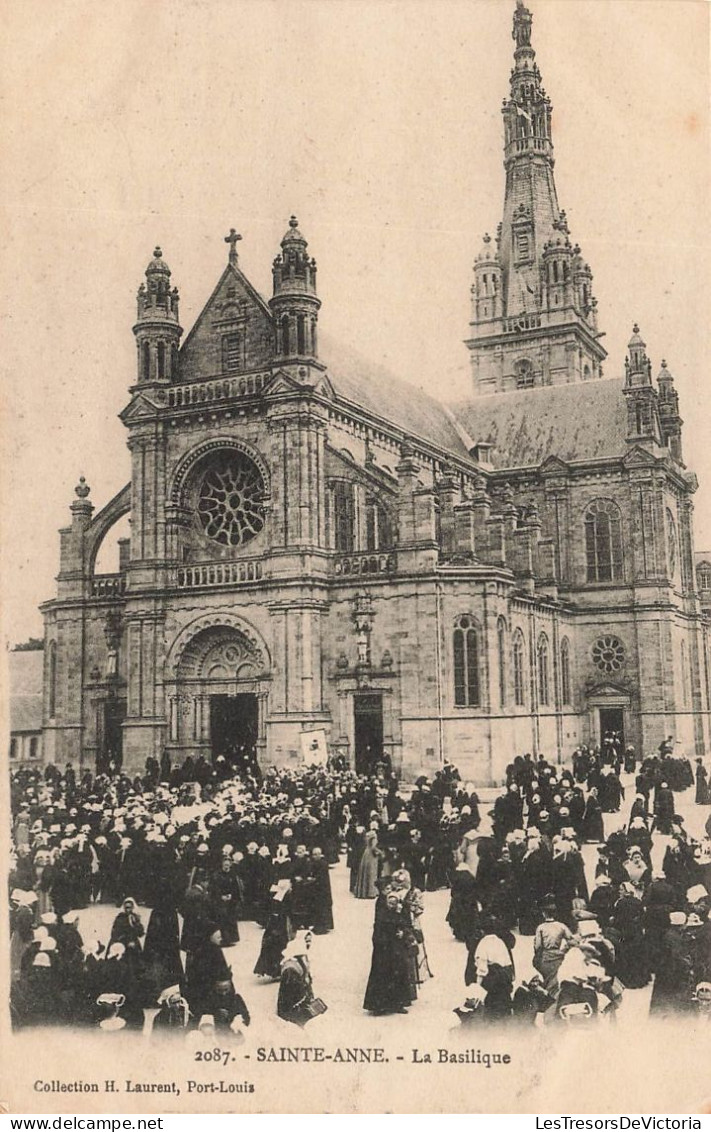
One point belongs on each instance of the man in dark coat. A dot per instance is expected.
(225, 893)
(413, 858)
(663, 808)
(248, 872)
(320, 897)
(205, 967)
(302, 880)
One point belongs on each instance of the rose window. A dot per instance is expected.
(231, 500)
(608, 654)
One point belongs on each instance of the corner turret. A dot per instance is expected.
(295, 304)
(157, 328)
(669, 416)
(642, 413)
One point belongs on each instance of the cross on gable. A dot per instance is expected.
(232, 239)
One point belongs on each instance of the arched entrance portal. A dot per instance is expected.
(218, 697)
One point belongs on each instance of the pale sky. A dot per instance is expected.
(378, 123)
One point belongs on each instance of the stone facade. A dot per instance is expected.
(316, 546)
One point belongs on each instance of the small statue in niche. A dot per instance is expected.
(363, 620)
(112, 633)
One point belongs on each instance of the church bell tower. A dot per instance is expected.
(534, 316)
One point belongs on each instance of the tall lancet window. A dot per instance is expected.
(343, 517)
(161, 361)
(603, 541)
(501, 659)
(543, 671)
(517, 651)
(467, 685)
(285, 336)
(565, 690)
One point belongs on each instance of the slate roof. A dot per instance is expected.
(25, 671)
(25, 713)
(581, 421)
(375, 389)
(577, 422)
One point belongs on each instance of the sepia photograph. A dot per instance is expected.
(356, 614)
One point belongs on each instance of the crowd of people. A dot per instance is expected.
(186, 854)
(638, 920)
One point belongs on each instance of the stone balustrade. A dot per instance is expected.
(375, 562)
(219, 574)
(219, 389)
(108, 585)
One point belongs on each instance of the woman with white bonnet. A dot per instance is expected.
(174, 1014)
(297, 1002)
(127, 926)
(577, 999)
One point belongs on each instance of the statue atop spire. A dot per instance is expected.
(522, 25)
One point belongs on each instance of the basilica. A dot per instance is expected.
(323, 558)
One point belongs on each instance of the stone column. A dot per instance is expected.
(173, 716)
(307, 674)
(449, 496)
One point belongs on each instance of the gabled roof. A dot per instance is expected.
(26, 667)
(375, 389)
(577, 422)
(224, 312)
(231, 273)
(25, 713)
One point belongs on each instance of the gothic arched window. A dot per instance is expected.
(343, 516)
(543, 670)
(565, 671)
(501, 658)
(467, 688)
(603, 541)
(378, 528)
(517, 652)
(52, 679)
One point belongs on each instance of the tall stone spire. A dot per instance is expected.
(542, 327)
